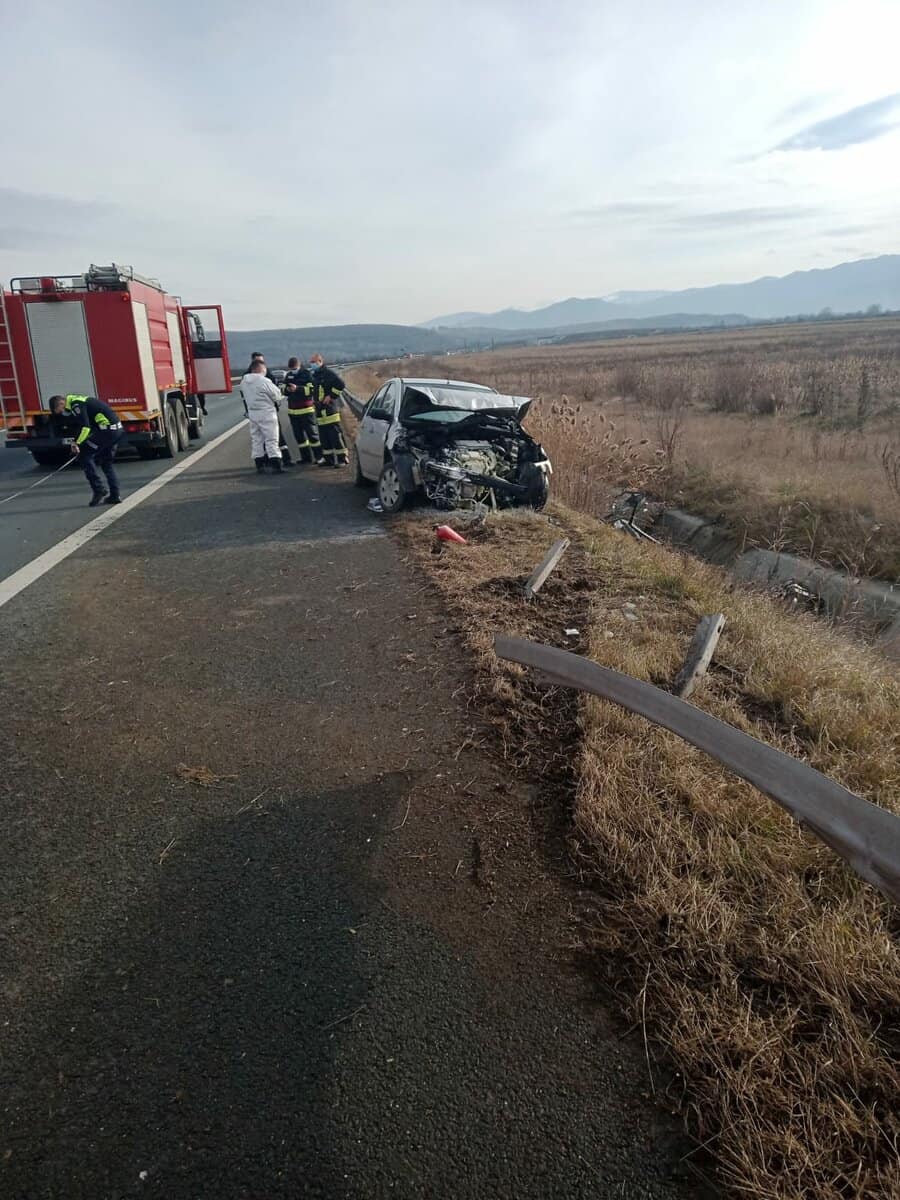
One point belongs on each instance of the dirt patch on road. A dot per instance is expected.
(532, 730)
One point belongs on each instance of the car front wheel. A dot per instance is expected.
(391, 493)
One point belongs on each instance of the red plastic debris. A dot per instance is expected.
(446, 534)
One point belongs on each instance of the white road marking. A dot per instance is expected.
(25, 576)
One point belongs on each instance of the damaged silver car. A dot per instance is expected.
(460, 444)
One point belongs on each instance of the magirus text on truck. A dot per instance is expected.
(116, 335)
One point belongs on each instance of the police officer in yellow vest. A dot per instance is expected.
(300, 388)
(329, 392)
(99, 434)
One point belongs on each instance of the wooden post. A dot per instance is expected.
(699, 656)
(541, 573)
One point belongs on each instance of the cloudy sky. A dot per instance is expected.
(311, 164)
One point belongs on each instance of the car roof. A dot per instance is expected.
(459, 383)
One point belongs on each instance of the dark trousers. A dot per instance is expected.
(99, 451)
(307, 434)
(334, 448)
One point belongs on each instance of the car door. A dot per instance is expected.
(373, 430)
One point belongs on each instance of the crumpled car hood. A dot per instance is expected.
(436, 404)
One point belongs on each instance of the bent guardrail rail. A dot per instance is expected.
(866, 836)
(354, 403)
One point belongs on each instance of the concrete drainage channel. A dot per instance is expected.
(873, 604)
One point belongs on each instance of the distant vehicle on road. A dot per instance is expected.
(115, 335)
(461, 444)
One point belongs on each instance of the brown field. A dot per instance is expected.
(789, 434)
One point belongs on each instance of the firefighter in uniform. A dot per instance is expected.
(329, 388)
(299, 386)
(95, 445)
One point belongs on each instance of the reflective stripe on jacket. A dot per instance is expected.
(94, 415)
(329, 385)
(301, 401)
(329, 392)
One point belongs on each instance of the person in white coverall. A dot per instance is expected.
(262, 400)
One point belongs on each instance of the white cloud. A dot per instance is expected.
(863, 123)
(309, 164)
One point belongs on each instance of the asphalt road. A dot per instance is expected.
(242, 951)
(45, 514)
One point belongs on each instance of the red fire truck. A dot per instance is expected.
(116, 335)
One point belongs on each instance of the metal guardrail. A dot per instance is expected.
(866, 836)
(355, 405)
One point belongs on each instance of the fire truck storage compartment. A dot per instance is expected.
(145, 353)
(60, 349)
(175, 345)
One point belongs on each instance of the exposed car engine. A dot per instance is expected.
(487, 459)
(446, 476)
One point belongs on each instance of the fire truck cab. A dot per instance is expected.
(116, 335)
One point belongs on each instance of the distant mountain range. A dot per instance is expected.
(350, 343)
(849, 287)
(339, 343)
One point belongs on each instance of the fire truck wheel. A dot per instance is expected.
(170, 449)
(181, 423)
(168, 430)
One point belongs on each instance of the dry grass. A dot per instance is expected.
(768, 969)
(363, 381)
(789, 435)
(760, 964)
